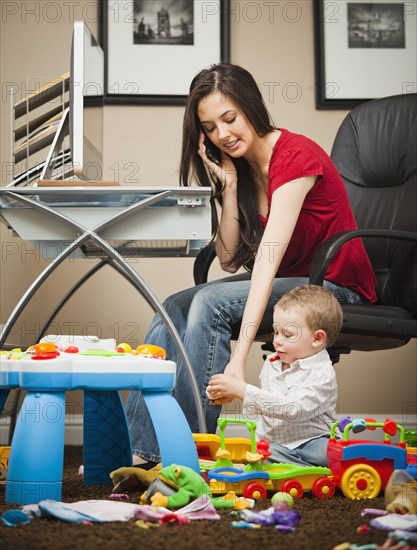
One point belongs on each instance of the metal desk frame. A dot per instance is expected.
(114, 259)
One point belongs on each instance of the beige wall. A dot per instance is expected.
(35, 42)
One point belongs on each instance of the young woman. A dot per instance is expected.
(278, 196)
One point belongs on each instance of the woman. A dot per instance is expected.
(278, 196)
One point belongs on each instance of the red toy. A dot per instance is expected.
(361, 468)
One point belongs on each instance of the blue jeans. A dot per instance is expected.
(203, 316)
(311, 453)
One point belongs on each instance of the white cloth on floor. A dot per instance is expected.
(96, 511)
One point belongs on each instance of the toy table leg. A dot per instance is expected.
(106, 436)
(37, 451)
(175, 440)
(4, 394)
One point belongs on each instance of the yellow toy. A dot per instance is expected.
(4, 460)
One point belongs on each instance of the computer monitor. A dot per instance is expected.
(86, 96)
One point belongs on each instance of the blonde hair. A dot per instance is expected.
(318, 306)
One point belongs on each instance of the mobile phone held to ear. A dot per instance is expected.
(212, 152)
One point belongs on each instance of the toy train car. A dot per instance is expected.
(237, 464)
(255, 481)
(362, 468)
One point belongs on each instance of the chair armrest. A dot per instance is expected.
(202, 263)
(327, 250)
(324, 254)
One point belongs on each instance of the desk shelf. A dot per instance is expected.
(36, 119)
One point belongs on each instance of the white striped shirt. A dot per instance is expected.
(295, 405)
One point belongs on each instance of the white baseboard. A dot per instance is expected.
(74, 427)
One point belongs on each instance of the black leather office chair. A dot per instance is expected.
(375, 150)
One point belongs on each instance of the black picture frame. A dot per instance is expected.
(329, 95)
(130, 93)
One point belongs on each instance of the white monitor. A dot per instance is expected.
(86, 104)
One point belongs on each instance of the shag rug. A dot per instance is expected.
(324, 524)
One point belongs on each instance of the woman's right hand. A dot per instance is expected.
(225, 171)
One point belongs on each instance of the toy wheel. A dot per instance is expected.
(255, 490)
(324, 487)
(2, 472)
(361, 481)
(293, 487)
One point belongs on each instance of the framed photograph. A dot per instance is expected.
(154, 48)
(364, 50)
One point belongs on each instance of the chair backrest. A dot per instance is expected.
(375, 151)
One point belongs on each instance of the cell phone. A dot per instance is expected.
(212, 152)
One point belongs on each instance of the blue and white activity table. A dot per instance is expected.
(37, 451)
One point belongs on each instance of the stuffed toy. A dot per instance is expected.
(173, 487)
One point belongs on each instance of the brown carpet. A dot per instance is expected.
(324, 524)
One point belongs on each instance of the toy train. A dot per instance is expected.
(360, 468)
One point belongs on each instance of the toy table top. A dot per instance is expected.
(93, 371)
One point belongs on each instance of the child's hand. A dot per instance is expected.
(214, 399)
(210, 394)
(223, 388)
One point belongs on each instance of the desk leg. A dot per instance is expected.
(106, 436)
(37, 451)
(175, 440)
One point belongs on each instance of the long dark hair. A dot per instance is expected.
(240, 87)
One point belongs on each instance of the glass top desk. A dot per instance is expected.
(112, 223)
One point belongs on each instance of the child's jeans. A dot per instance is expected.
(311, 453)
